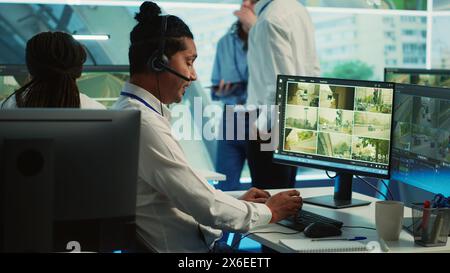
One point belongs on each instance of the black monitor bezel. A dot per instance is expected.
(341, 82)
(415, 71)
(425, 89)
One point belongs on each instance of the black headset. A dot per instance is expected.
(158, 61)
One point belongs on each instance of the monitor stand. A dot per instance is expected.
(342, 195)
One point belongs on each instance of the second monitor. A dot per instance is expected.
(335, 125)
(427, 77)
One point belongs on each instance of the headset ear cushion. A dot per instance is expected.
(156, 65)
(150, 63)
(158, 62)
(164, 60)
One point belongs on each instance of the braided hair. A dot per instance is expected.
(54, 61)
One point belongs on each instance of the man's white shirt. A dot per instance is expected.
(175, 205)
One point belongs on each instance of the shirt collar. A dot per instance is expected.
(260, 5)
(147, 97)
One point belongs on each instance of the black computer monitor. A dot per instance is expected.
(68, 175)
(335, 125)
(421, 142)
(427, 77)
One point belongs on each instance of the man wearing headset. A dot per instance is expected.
(177, 210)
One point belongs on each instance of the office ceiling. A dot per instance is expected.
(19, 22)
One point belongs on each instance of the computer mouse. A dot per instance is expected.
(320, 230)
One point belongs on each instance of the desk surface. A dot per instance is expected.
(358, 216)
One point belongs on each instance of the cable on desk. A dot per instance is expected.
(329, 176)
(262, 232)
(373, 187)
(359, 227)
(387, 187)
(413, 223)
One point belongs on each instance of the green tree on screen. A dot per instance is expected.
(381, 148)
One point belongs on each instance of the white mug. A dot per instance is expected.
(389, 219)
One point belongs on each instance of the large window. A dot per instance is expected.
(441, 5)
(441, 42)
(369, 4)
(360, 46)
(367, 35)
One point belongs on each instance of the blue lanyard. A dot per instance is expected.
(263, 8)
(139, 99)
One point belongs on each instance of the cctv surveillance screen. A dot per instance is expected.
(421, 143)
(335, 124)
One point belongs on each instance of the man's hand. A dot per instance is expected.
(284, 204)
(255, 195)
(246, 17)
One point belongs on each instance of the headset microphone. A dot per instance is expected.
(174, 72)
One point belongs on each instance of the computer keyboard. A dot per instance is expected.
(304, 218)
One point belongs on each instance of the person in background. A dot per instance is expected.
(282, 41)
(177, 210)
(54, 61)
(229, 79)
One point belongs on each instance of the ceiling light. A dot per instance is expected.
(90, 37)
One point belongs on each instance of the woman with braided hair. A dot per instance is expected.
(54, 61)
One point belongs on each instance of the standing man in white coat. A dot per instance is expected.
(281, 42)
